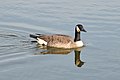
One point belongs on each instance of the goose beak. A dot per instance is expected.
(83, 30)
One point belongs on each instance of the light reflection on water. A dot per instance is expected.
(21, 59)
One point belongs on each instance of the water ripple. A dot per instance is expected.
(19, 18)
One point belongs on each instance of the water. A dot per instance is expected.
(22, 59)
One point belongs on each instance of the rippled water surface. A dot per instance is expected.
(21, 59)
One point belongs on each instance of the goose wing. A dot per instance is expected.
(57, 39)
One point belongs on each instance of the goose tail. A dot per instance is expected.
(33, 36)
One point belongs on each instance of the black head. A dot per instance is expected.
(79, 28)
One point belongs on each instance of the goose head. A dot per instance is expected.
(79, 28)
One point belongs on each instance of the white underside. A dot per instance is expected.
(79, 43)
(41, 41)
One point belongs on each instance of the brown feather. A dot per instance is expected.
(58, 40)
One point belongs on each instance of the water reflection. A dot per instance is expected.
(49, 50)
(78, 61)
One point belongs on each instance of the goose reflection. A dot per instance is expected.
(78, 61)
(49, 50)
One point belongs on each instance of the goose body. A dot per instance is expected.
(60, 40)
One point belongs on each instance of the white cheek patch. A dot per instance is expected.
(78, 30)
(41, 41)
(79, 43)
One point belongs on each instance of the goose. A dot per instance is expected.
(61, 40)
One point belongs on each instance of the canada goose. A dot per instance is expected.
(60, 40)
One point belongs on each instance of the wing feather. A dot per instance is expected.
(57, 40)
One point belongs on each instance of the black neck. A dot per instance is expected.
(77, 36)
